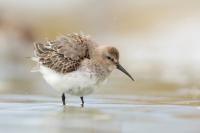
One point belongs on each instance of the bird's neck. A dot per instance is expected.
(101, 69)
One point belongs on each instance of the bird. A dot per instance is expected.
(75, 64)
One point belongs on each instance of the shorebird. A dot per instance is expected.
(75, 64)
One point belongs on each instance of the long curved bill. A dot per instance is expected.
(124, 71)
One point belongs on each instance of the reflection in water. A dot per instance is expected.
(77, 119)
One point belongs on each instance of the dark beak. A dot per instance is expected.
(124, 71)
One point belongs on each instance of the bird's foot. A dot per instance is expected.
(82, 100)
(63, 99)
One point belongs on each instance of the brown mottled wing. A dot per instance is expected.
(65, 54)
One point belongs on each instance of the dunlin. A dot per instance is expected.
(75, 64)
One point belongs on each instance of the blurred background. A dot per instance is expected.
(159, 42)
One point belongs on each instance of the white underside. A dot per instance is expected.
(79, 83)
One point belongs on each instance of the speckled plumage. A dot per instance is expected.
(64, 54)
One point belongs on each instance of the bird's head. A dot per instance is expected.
(110, 56)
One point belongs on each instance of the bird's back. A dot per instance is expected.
(64, 54)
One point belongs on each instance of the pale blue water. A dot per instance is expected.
(111, 114)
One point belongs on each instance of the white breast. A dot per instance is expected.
(78, 83)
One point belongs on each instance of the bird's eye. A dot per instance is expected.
(108, 57)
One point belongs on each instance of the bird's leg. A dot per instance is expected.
(63, 99)
(82, 100)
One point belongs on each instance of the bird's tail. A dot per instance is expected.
(35, 67)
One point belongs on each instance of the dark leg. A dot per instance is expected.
(82, 100)
(63, 99)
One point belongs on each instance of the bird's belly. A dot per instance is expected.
(79, 83)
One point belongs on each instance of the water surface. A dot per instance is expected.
(112, 114)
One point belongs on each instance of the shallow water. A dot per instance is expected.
(112, 114)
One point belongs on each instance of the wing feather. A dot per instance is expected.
(64, 54)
